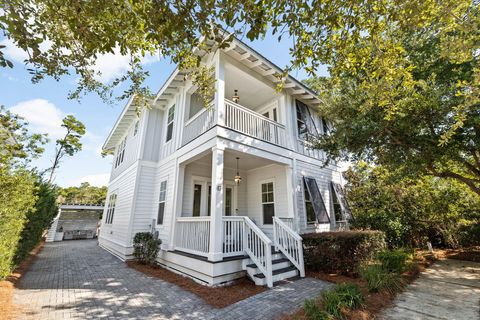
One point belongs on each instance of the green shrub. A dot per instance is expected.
(145, 247)
(393, 260)
(342, 296)
(341, 251)
(17, 198)
(314, 312)
(380, 279)
(38, 220)
(469, 235)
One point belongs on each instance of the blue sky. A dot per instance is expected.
(44, 105)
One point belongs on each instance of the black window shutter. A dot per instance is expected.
(307, 118)
(317, 200)
(346, 212)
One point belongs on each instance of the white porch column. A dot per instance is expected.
(216, 224)
(220, 89)
(177, 203)
(292, 181)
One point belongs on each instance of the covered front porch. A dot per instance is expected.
(221, 217)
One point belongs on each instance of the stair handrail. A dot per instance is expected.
(259, 251)
(289, 243)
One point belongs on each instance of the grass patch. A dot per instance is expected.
(378, 278)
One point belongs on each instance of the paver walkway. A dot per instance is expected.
(77, 279)
(449, 289)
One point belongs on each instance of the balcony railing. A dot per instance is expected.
(237, 118)
(198, 124)
(250, 123)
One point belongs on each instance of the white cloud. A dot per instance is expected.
(42, 115)
(12, 51)
(97, 180)
(114, 65)
(110, 65)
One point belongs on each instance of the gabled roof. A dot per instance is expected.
(238, 51)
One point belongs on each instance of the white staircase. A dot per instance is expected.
(282, 268)
(273, 261)
(52, 231)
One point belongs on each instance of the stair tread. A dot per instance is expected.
(275, 272)
(253, 265)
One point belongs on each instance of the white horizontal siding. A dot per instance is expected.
(255, 177)
(131, 149)
(124, 187)
(323, 176)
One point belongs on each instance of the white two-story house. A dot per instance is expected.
(228, 188)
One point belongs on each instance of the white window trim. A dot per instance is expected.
(173, 105)
(108, 216)
(164, 179)
(274, 200)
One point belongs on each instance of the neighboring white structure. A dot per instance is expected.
(75, 221)
(175, 168)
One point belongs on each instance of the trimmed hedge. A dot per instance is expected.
(341, 251)
(146, 247)
(17, 198)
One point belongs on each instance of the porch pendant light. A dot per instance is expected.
(235, 97)
(238, 179)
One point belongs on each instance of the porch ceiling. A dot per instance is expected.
(246, 161)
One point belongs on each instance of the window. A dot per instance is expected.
(305, 124)
(337, 209)
(135, 128)
(310, 212)
(161, 202)
(268, 204)
(197, 200)
(120, 152)
(111, 208)
(170, 118)
(316, 199)
(196, 104)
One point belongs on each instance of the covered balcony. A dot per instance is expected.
(243, 103)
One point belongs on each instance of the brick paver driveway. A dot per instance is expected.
(77, 279)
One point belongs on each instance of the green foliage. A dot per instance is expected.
(470, 235)
(314, 312)
(17, 145)
(394, 261)
(341, 297)
(145, 247)
(378, 278)
(409, 210)
(37, 220)
(374, 41)
(342, 251)
(69, 144)
(85, 193)
(17, 198)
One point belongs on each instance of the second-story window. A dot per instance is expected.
(120, 152)
(170, 118)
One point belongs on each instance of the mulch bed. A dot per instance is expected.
(218, 297)
(468, 254)
(8, 310)
(375, 303)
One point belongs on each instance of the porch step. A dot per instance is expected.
(278, 275)
(276, 265)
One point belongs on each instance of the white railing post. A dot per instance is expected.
(289, 243)
(219, 89)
